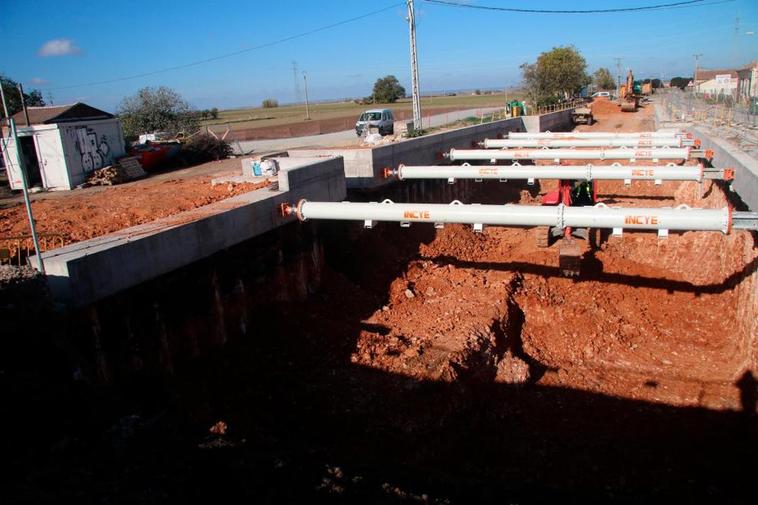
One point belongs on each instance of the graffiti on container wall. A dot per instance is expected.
(94, 154)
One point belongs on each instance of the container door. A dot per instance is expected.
(52, 159)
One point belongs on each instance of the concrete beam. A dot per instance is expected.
(87, 271)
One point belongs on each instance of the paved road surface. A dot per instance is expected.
(347, 137)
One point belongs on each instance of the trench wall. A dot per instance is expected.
(159, 327)
(742, 194)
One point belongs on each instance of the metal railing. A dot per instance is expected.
(545, 109)
(17, 250)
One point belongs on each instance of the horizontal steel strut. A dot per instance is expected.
(651, 153)
(589, 142)
(599, 135)
(682, 218)
(616, 171)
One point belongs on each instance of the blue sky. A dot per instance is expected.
(60, 44)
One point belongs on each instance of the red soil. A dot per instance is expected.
(650, 319)
(90, 213)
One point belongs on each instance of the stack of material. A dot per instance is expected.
(124, 170)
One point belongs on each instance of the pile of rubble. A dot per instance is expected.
(124, 170)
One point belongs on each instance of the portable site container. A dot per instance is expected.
(62, 145)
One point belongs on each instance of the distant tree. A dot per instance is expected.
(603, 79)
(557, 74)
(214, 113)
(477, 91)
(657, 83)
(680, 82)
(270, 103)
(156, 109)
(387, 90)
(13, 99)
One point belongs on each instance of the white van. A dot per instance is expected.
(381, 119)
(604, 94)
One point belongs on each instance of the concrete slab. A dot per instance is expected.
(87, 271)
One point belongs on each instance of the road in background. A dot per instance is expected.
(347, 137)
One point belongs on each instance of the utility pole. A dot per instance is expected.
(414, 68)
(23, 103)
(618, 76)
(307, 113)
(296, 80)
(22, 170)
(694, 77)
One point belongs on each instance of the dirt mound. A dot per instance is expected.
(81, 216)
(604, 106)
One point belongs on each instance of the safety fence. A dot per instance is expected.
(713, 110)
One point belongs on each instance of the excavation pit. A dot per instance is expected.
(327, 361)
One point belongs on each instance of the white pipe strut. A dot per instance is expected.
(615, 172)
(592, 142)
(681, 218)
(599, 135)
(654, 153)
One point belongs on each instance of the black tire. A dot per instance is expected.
(392, 130)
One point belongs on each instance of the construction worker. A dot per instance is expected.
(581, 193)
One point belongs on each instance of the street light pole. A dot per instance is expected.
(22, 170)
(618, 76)
(307, 112)
(414, 68)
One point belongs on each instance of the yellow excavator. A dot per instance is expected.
(630, 94)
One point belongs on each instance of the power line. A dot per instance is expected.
(234, 53)
(550, 11)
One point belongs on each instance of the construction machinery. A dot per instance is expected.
(614, 172)
(665, 133)
(599, 216)
(576, 187)
(623, 153)
(583, 114)
(673, 141)
(630, 94)
(572, 210)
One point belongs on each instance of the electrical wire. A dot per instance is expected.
(550, 11)
(229, 55)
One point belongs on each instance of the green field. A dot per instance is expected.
(258, 117)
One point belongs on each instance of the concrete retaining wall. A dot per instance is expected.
(363, 166)
(560, 121)
(87, 271)
(725, 155)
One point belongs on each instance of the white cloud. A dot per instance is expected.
(58, 47)
(39, 81)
